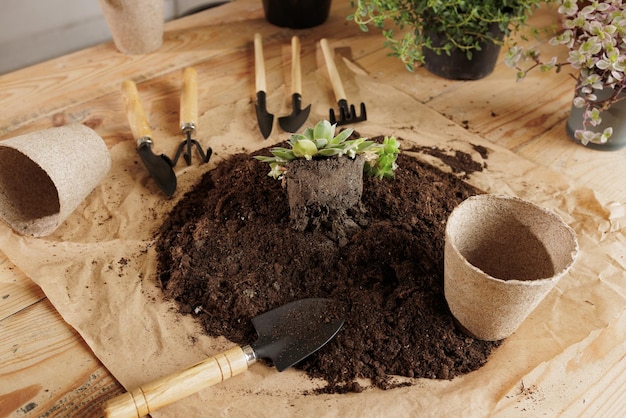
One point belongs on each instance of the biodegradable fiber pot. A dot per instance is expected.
(46, 174)
(326, 194)
(136, 25)
(502, 256)
(296, 14)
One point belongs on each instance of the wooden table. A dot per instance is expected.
(36, 344)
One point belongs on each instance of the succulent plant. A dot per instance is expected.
(321, 142)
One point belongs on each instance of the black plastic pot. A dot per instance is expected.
(456, 66)
(296, 14)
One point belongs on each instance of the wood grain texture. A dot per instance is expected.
(46, 369)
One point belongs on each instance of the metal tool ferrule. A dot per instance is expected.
(188, 127)
(144, 140)
(249, 353)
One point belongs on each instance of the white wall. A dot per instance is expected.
(32, 31)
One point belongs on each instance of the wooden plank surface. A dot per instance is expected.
(84, 87)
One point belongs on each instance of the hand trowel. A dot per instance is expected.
(286, 335)
(159, 166)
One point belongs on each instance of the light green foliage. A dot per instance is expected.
(595, 36)
(385, 164)
(462, 24)
(321, 142)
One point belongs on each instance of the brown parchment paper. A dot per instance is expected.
(98, 270)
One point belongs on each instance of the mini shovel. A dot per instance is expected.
(189, 118)
(347, 114)
(264, 118)
(159, 166)
(286, 335)
(298, 115)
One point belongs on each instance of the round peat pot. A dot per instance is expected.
(502, 256)
(296, 14)
(46, 174)
(136, 25)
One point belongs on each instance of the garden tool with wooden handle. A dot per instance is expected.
(159, 166)
(298, 116)
(347, 114)
(264, 118)
(189, 118)
(286, 335)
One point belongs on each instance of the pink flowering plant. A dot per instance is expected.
(595, 36)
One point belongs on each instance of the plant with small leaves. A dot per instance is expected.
(321, 142)
(595, 36)
(384, 165)
(462, 24)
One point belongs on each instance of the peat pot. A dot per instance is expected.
(136, 25)
(614, 117)
(46, 174)
(502, 256)
(296, 14)
(326, 193)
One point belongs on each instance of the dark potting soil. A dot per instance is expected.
(227, 253)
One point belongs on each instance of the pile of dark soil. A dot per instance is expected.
(227, 254)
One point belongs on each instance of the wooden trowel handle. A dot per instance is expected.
(134, 111)
(259, 63)
(296, 73)
(189, 98)
(333, 74)
(167, 390)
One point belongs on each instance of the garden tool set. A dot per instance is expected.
(161, 166)
(291, 123)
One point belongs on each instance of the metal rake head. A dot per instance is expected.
(347, 114)
(186, 146)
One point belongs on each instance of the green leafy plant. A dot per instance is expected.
(460, 24)
(595, 36)
(321, 142)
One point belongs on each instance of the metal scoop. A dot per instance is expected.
(159, 166)
(286, 335)
(264, 118)
(298, 116)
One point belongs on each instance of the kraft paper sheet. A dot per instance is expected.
(98, 270)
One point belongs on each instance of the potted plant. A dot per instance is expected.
(455, 39)
(296, 14)
(595, 36)
(323, 176)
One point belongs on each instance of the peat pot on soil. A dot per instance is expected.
(502, 256)
(323, 175)
(326, 193)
